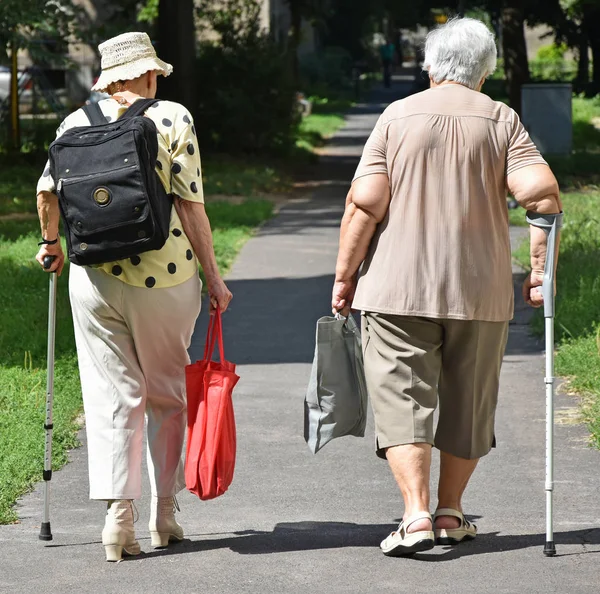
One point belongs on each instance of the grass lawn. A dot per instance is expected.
(24, 297)
(578, 301)
(578, 277)
(326, 119)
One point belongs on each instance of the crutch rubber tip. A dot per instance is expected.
(45, 532)
(549, 549)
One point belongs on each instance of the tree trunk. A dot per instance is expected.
(595, 44)
(591, 31)
(296, 36)
(594, 39)
(583, 65)
(514, 49)
(15, 121)
(177, 46)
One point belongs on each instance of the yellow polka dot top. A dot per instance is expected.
(179, 169)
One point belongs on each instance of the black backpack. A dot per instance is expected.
(112, 202)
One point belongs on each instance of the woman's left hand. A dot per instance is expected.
(54, 251)
(220, 295)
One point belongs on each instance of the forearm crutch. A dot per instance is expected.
(550, 223)
(45, 531)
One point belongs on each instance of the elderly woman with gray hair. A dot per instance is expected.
(426, 216)
(134, 317)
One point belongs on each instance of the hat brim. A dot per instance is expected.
(131, 71)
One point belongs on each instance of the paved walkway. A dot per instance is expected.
(297, 523)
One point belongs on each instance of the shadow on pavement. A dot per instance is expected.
(270, 320)
(490, 542)
(309, 536)
(273, 321)
(289, 537)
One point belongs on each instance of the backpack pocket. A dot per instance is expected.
(103, 201)
(107, 216)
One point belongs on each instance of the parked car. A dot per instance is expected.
(25, 83)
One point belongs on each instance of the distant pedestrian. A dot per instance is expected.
(134, 318)
(387, 52)
(426, 217)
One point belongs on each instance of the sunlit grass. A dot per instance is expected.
(578, 300)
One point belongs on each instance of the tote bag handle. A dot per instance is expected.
(215, 331)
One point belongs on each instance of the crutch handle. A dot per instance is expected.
(550, 223)
(48, 261)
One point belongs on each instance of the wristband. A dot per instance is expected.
(48, 242)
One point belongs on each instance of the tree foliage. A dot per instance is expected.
(35, 25)
(247, 92)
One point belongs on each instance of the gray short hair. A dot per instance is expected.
(462, 50)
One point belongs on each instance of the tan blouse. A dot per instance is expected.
(443, 249)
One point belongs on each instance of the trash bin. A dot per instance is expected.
(547, 116)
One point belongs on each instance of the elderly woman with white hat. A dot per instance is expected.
(134, 318)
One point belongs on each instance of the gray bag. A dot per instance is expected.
(336, 399)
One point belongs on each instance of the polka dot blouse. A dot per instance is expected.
(179, 169)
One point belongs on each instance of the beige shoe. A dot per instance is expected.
(118, 536)
(163, 526)
(402, 543)
(453, 536)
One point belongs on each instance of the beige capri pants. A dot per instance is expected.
(410, 361)
(132, 348)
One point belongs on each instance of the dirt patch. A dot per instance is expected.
(278, 200)
(18, 216)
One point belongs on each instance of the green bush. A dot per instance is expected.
(246, 89)
(36, 135)
(327, 74)
(550, 64)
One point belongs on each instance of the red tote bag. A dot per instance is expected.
(211, 442)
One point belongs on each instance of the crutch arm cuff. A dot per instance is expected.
(544, 221)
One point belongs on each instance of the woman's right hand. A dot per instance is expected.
(219, 294)
(343, 295)
(54, 251)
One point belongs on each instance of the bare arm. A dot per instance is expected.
(197, 227)
(349, 211)
(535, 188)
(366, 206)
(49, 215)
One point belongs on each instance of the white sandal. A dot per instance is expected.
(452, 536)
(401, 542)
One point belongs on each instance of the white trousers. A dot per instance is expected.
(132, 348)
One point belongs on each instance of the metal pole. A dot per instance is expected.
(14, 99)
(45, 531)
(550, 223)
(549, 547)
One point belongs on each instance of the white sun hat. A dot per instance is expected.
(126, 57)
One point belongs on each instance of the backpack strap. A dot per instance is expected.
(138, 108)
(94, 114)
